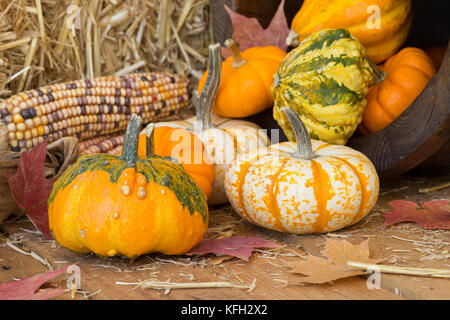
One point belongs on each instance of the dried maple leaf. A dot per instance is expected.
(434, 214)
(334, 266)
(31, 189)
(25, 289)
(238, 246)
(248, 32)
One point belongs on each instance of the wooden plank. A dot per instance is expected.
(102, 274)
(405, 244)
(15, 265)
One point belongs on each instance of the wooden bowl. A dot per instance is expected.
(420, 136)
(420, 133)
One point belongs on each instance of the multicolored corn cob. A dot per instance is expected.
(91, 107)
(106, 144)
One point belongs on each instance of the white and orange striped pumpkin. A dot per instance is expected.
(223, 138)
(304, 187)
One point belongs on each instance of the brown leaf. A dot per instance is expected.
(238, 246)
(334, 266)
(434, 214)
(25, 289)
(31, 189)
(248, 32)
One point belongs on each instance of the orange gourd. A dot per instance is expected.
(187, 149)
(245, 87)
(380, 25)
(407, 74)
(127, 205)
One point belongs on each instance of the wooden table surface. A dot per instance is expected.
(405, 244)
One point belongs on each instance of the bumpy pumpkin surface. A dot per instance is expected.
(323, 188)
(407, 74)
(223, 138)
(244, 89)
(325, 80)
(187, 149)
(381, 41)
(127, 205)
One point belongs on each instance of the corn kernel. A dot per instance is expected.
(17, 118)
(40, 130)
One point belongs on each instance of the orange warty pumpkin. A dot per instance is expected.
(245, 87)
(187, 149)
(381, 41)
(407, 74)
(127, 205)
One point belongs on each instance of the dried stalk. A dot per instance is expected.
(435, 188)
(422, 272)
(14, 44)
(31, 254)
(28, 61)
(161, 285)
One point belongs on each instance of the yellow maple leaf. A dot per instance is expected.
(334, 266)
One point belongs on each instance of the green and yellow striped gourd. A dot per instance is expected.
(325, 81)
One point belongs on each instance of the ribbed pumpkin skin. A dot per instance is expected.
(88, 211)
(408, 72)
(245, 90)
(325, 81)
(380, 44)
(223, 143)
(187, 149)
(271, 188)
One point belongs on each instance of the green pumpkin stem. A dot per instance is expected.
(131, 140)
(378, 75)
(235, 53)
(304, 147)
(150, 144)
(206, 100)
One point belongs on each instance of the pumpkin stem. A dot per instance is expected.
(377, 73)
(292, 39)
(131, 139)
(304, 147)
(238, 60)
(206, 100)
(150, 142)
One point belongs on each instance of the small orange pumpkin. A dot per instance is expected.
(407, 74)
(223, 138)
(245, 87)
(187, 149)
(127, 205)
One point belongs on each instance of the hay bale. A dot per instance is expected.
(50, 41)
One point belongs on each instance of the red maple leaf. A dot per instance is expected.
(25, 289)
(434, 214)
(248, 32)
(31, 189)
(238, 246)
